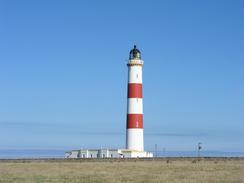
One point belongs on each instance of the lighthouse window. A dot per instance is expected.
(136, 75)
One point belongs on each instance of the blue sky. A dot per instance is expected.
(63, 73)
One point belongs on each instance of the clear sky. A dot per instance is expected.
(63, 73)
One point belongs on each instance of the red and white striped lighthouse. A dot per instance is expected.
(134, 131)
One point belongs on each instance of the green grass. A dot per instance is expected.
(180, 170)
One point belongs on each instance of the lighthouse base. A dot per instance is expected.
(107, 153)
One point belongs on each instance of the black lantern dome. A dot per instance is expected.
(135, 53)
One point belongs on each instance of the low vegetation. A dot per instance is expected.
(173, 170)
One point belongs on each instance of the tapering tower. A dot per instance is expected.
(134, 131)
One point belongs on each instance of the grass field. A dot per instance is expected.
(173, 170)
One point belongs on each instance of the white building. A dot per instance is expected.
(107, 153)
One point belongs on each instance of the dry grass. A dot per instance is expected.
(162, 170)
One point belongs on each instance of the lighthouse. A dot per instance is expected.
(134, 120)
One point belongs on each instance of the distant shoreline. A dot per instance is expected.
(59, 153)
(30, 160)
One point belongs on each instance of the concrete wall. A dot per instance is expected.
(72, 154)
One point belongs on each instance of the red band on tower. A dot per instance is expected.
(134, 121)
(134, 90)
